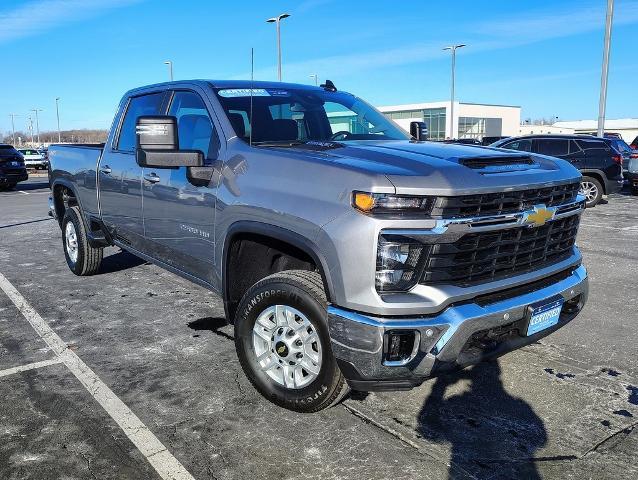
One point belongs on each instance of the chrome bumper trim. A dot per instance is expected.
(358, 338)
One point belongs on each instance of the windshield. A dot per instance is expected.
(290, 116)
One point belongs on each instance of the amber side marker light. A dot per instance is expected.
(363, 201)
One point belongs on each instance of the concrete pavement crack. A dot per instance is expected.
(390, 431)
(625, 430)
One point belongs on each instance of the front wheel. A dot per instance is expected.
(592, 189)
(81, 257)
(283, 344)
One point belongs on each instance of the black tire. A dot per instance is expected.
(88, 259)
(594, 183)
(634, 190)
(301, 290)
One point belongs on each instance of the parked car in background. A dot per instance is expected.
(490, 140)
(595, 157)
(634, 144)
(625, 150)
(34, 158)
(12, 168)
(464, 141)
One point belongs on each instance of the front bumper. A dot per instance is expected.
(632, 177)
(463, 334)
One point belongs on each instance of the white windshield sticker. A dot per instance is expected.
(243, 92)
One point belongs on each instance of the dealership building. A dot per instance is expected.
(471, 120)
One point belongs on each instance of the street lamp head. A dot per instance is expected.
(168, 62)
(278, 18)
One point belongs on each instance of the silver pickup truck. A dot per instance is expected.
(348, 253)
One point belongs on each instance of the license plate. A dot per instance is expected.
(544, 316)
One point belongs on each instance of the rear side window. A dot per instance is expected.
(137, 107)
(594, 146)
(553, 147)
(522, 145)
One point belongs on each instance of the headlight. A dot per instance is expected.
(399, 263)
(392, 204)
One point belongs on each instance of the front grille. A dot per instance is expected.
(503, 202)
(491, 255)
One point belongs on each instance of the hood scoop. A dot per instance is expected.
(499, 163)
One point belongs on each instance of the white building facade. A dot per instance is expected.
(471, 120)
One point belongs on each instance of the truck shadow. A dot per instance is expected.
(212, 324)
(119, 261)
(491, 433)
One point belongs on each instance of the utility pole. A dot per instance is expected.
(316, 77)
(57, 113)
(602, 104)
(13, 127)
(30, 127)
(276, 20)
(453, 49)
(170, 68)
(37, 122)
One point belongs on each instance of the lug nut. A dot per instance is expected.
(299, 343)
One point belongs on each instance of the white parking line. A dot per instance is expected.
(29, 366)
(166, 465)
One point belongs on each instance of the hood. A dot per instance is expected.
(444, 168)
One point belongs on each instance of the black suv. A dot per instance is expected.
(12, 169)
(595, 157)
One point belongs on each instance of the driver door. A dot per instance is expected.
(179, 218)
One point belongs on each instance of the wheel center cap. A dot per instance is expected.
(282, 349)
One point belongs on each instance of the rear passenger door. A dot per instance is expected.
(178, 216)
(120, 177)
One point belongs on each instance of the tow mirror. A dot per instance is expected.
(419, 130)
(158, 144)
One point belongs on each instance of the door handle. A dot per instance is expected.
(152, 178)
(106, 170)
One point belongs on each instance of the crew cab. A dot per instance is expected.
(348, 253)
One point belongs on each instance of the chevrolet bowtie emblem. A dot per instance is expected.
(539, 215)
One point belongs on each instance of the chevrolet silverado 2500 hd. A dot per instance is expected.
(347, 252)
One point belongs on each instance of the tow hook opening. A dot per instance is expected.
(399, 346)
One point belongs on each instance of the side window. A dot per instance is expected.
(137, 107)
(523, 145)
(553, 147)
(196, 131)
(594, 147)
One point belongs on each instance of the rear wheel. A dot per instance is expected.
(592, 189)
(81, 257)
(283, 345)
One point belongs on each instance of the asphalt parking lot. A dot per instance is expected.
(566, 407)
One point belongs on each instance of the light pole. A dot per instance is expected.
(453, 49)
(316, 77)
(602, 103)
(170, 68)
(37, 122)
(13, 127)
(276, 20)
(30, 127)
(57, 114)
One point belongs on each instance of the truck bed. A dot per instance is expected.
(75, 165)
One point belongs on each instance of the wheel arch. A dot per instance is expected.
(597, 174)
(283, 237)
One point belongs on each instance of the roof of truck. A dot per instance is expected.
(229, 84)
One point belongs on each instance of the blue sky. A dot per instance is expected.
(542, 55)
